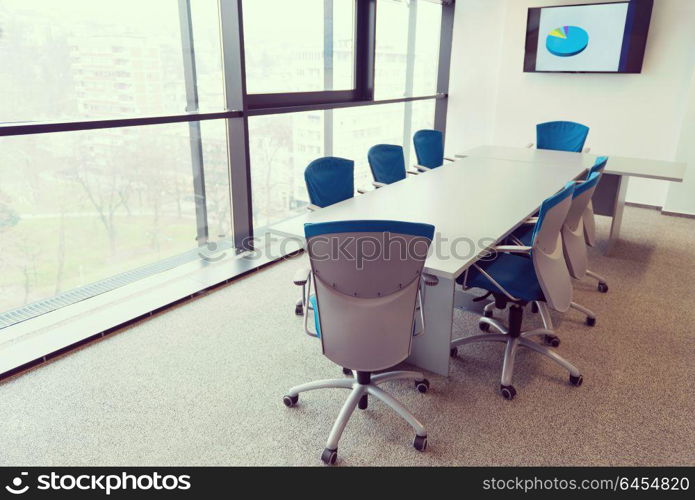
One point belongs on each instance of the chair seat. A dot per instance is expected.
(513, 272)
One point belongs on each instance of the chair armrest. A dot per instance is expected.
(421, 168)
(529, 145)
(430, 279)
(586, 150)
(411, 172)
(312, 208)
(378, 184)
(512, 249)
(301, 276)
(361, 190)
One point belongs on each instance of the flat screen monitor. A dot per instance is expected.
(587, 38)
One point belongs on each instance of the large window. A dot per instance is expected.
(136, 132)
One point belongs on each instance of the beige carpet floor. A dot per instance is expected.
(201, 384)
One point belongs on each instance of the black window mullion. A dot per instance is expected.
(445, 40)
(365, 47)
(232, 34)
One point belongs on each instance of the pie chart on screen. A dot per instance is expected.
(567, 41)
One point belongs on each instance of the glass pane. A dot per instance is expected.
(355, 130)
(217, 185)
(421, 117)
(80, 207)
(399, 70)
(281, 146)
(427, 33)
(299, 46)
(78, 59)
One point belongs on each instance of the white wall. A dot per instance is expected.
(493, 101)
(681, 196)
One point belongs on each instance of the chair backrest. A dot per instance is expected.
(330, 180)
(561, 136)
(429, 148)
(573, 243)
(366, 279)
(588, 217)
(548, 259)
(598, 165)
(387, 163)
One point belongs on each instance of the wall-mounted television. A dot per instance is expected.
(587, 38)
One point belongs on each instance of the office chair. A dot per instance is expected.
(573, 246)
(561, 136)
(429, 149)
(590, 225)
(329, 180)
(364, 310)
(387, 164)
(519, 280)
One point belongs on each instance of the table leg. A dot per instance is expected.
(617, 213)
(430, 350)
(609, 200)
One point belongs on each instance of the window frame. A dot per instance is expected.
(363, 63)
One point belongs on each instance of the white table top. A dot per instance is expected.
(473, 203)
(618, 165)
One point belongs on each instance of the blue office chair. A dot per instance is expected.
(429, 149)
(512, 277)
(387, 164)
(329, 180)
(573, 246)
(589, 224)
(365, 311)
(561, 136)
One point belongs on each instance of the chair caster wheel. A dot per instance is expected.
(590, 321)
(347, 371)
(484, 326)
(602, 287)
(508, 392)
(551, 340)
(363, 403)
(290, 401)
(487, 313)
(576, 381)
(454, 352)
(534, 308)
(329, 457)
(422, 385)
(420, 443)
(299, 310)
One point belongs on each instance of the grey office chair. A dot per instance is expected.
(573, 246)
(364, 310)
(590, 225)
(519, 280)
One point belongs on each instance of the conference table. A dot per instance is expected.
(473, 203)
(609, 197)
